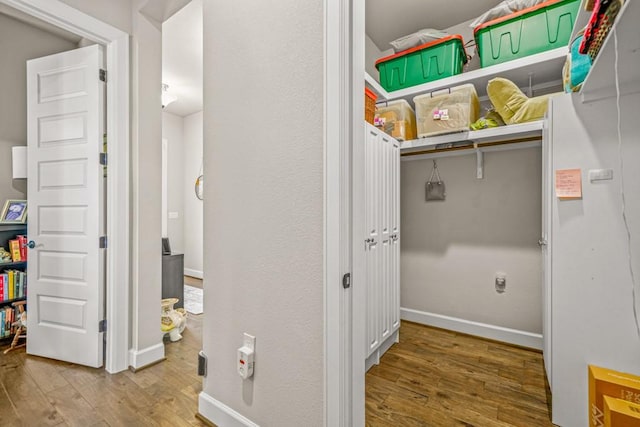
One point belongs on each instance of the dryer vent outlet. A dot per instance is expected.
(501, 283)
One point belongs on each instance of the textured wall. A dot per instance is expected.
(146, 157)
(113, 12)
(593, 319)
(263, 210)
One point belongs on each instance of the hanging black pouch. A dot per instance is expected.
(435, 187)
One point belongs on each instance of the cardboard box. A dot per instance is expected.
(606, 382)
(620, 413)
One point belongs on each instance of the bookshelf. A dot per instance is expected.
(17, 269)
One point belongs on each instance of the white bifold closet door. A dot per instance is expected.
(381, 240)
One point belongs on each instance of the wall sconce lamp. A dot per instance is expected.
(19, 161)
(166, 97)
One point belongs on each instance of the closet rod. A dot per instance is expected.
(472, 146)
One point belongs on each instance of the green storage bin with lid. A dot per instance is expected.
(536, 29)
(425, 63)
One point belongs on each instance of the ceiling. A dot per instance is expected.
(182, 59)
(388, 20)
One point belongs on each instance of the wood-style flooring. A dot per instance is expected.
(193, 281)
(42, 392)
(434, 377)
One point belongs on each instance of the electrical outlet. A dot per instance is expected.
(501, 282)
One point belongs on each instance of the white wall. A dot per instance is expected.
(193, 207)
(114, 12)
(146, 142)
(371, 55)
(172, 131)
(263, 231)
(593, 304)
(452, 249)
(19, 42)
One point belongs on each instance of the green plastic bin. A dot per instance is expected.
(425, 63)
(530, 31)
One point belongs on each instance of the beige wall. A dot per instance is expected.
(263, 207)
(451, 250)
(19, 42)
(193, 207)
(173, 132)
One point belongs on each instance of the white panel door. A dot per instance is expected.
(385, 142)
(65, 196)
(372, 236)
(394, 299)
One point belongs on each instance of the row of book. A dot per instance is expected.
(13, 284)
(18, 248)
(7, 318)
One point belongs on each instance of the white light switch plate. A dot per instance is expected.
(600, 174)
(249, 341)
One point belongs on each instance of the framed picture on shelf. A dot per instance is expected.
(14, 212)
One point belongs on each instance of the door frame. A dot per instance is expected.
(344, 123)
(116, 44)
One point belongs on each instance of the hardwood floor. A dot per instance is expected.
(193, 281)
(434, 377)
(41, 392)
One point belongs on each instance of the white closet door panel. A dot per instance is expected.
(381, 244)
(384, 207)
(394, 299)
(371, 239)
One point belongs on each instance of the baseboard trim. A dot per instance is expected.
(220, 414)
(492, 332)
(193, 273)
(139, 359)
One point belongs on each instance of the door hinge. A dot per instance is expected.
(202, 364)
(103, 242)
(102, 325)
(103, 75)
(346, 281)
(103, 159)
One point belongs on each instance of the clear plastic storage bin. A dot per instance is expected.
(446, 111)
(396, 118)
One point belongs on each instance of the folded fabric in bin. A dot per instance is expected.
(513, 105)
(505, 8)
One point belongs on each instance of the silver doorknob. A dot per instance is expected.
(542, 242)
(31, 244)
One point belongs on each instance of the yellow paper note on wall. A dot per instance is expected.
(568, 184)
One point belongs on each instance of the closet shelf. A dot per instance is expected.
(600, 82)
(544, 68)
(493, 139)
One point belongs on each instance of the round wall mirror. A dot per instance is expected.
(199, 187)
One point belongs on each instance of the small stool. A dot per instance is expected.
(21, 326)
